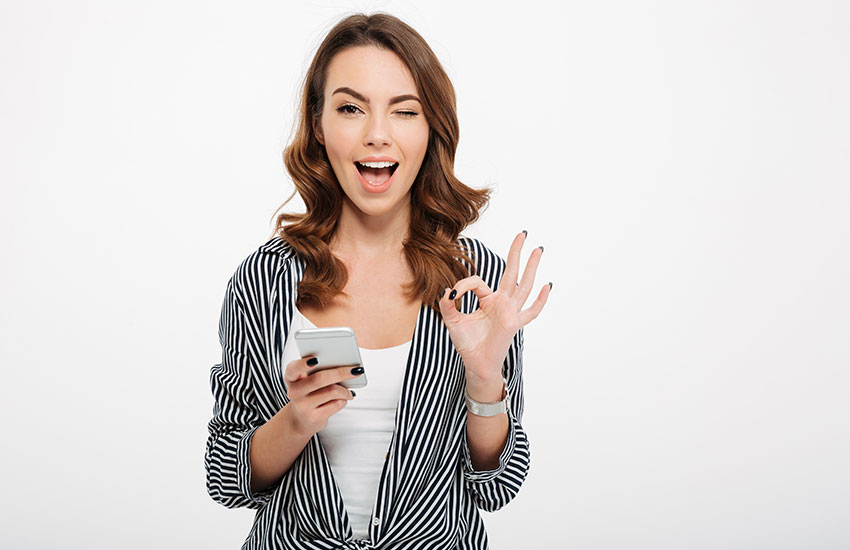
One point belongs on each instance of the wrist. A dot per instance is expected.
(489, 390)
(489, 408)
(288, 419)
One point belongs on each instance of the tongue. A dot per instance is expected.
(375, 175)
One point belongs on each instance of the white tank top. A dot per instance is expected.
(357, 438)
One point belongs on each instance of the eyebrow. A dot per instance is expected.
(361, 97)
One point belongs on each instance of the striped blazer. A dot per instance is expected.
(429, 493)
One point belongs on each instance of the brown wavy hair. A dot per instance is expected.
(440, 205)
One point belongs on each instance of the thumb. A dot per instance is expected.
(447, 308)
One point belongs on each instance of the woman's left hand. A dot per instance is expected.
(483, 337)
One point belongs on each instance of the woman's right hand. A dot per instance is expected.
(315, 396)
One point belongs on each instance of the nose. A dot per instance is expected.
(377, 132)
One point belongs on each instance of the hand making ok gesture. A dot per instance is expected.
(483, 337)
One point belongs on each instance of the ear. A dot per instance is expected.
(317, 129)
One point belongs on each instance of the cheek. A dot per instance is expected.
(338, 135)
(338, 144)
(417, 140)
(423, 147)
(424, 135)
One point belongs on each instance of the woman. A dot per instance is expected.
(436, 433)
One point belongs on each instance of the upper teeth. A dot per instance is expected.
(379, 164)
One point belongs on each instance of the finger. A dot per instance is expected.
(534, 310)
(527, 281)
(333, 406)
(474, 283)
(327, 377)
(509, 277)
(297, 369)
(448, 310)
(328, 395)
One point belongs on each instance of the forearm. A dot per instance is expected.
(274, 447)
(486, 435)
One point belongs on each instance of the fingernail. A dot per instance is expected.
(445, 290)
(357, 370)
(313, 361)
(452, 294)
(550, 285)
(526, 232)
(541, 248)
(352, 393)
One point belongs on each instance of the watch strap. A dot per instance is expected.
(488, 409)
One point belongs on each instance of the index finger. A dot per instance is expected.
(298, 369)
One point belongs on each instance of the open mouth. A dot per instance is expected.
(374, 175)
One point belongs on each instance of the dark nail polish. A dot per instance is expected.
(550, 285)
(352, 393)
(357, 370)
(312, 362)
(526, 232)
(452, 294)
(541, 248)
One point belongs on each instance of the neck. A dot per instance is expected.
(362, 235)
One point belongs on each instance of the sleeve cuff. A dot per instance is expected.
(243, 473)
(483, 476)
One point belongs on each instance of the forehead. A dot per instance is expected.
(376, 73)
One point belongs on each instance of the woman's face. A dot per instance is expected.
(372, 113)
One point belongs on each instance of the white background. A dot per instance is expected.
(685, 165)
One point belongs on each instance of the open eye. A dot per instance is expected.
(347, 109)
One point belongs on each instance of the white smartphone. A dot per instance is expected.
(334, 347)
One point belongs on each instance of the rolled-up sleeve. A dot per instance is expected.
(492, 489)
(235, 417)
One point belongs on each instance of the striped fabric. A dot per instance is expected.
(429, 492)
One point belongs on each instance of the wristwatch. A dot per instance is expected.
(488, 409)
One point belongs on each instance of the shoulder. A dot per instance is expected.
(258, 269)
(488, 265)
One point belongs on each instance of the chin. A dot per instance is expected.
(379, 206)
(377, 210)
